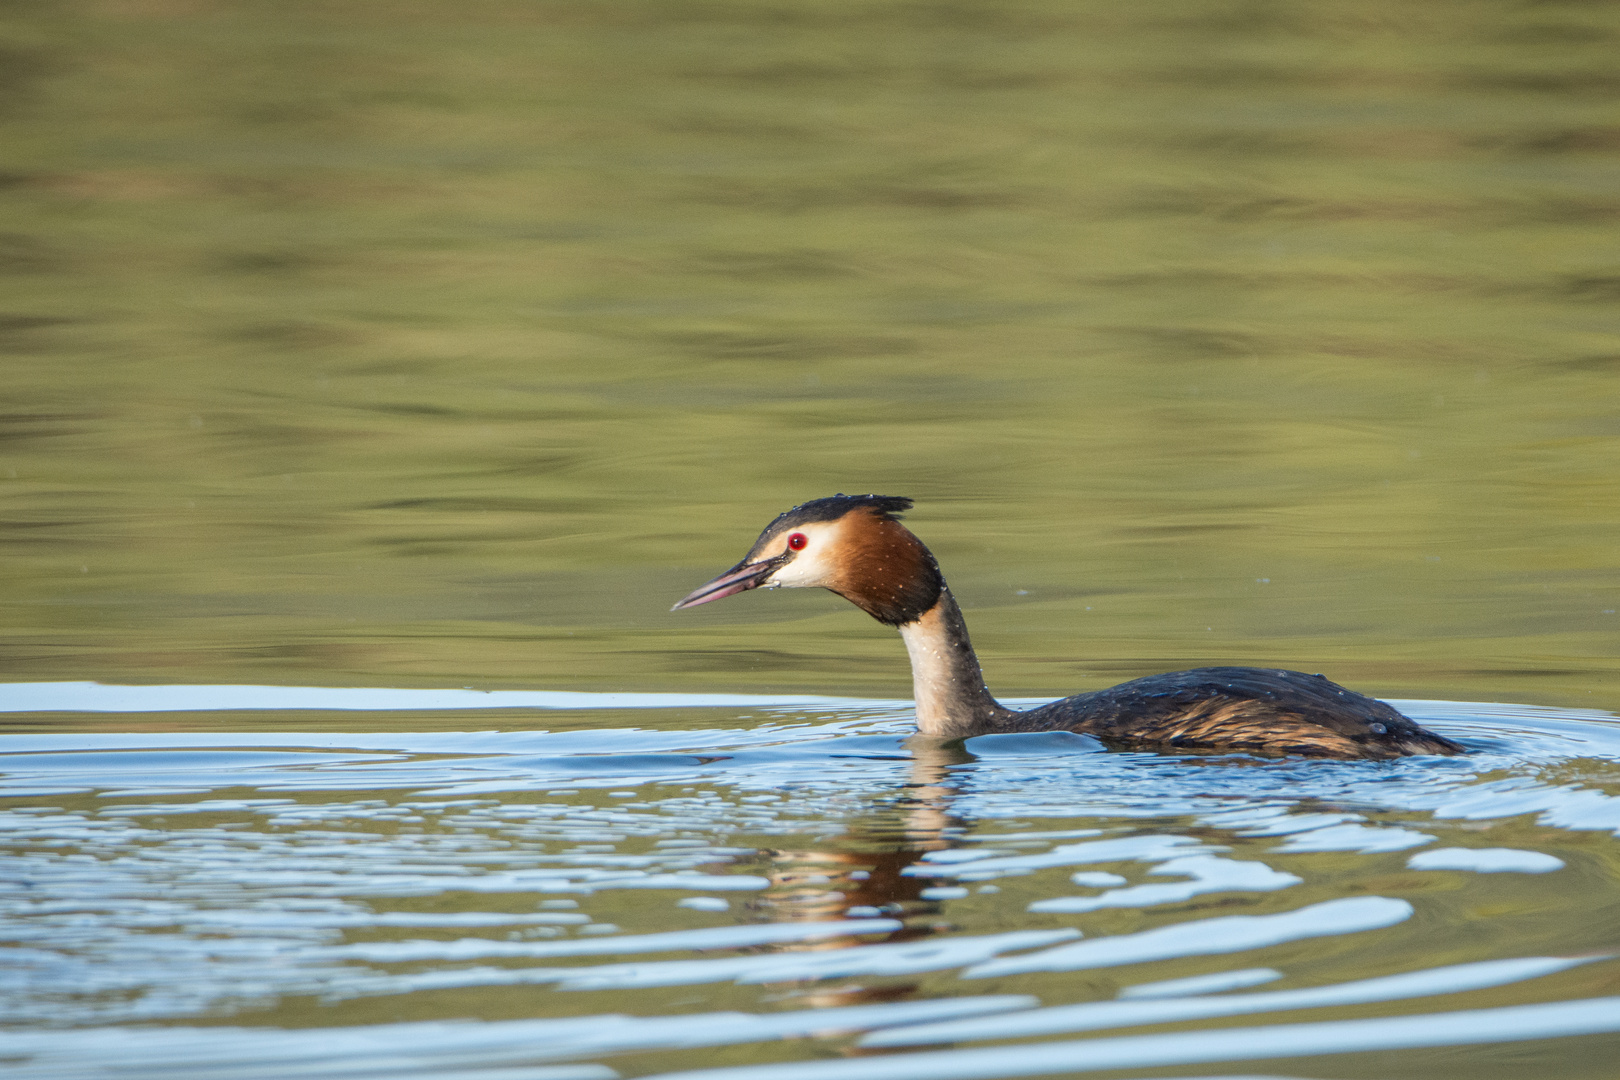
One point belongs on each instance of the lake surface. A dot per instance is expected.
(614, 890)
(377, 375)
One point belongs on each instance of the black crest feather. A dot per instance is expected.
(834, 507)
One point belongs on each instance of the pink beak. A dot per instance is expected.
(739, 578)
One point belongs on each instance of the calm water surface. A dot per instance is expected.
(441, 348)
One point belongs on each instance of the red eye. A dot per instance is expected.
(797, 541)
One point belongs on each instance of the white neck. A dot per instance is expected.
(952, 701)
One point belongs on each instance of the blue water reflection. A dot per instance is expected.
(817, 863)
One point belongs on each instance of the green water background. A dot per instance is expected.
(417, 344)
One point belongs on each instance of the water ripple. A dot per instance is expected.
(815, 854)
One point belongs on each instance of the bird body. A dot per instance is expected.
(856, 546)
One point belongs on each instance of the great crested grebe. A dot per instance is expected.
(856, 547)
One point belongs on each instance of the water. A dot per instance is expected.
(399, 346)
(625, 892)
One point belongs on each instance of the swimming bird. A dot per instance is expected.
(856, 546)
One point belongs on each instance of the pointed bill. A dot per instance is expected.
(739, 578)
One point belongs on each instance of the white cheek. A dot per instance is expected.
(806, 570)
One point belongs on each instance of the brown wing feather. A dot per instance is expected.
(1254, 710)
(1244, 724)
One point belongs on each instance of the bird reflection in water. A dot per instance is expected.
(863, 876)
